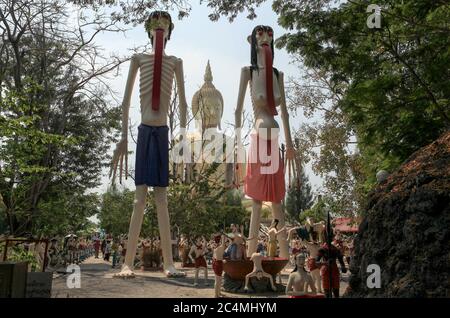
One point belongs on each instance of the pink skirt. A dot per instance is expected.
(265, 171)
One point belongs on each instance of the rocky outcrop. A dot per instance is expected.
(406, 229)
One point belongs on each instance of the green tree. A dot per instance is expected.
(318, 212)
(56, 123)
(299, 198)
(115, 211)
(204, 206)
(66, 213)
(390, 79)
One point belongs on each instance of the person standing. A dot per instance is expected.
(96, 247)
(107, 251)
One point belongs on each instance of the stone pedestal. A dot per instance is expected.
(13, 279)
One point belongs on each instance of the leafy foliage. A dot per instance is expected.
(56, 124)
(299, 198)
(115, 211)
(388, 81)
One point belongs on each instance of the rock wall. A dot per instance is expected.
(406, 229)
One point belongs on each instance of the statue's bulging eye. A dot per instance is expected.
(270, 33)
(260, 32)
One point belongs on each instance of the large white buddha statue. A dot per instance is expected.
(207, 110)
(207, 104)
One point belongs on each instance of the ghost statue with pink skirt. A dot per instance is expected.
(264, 180)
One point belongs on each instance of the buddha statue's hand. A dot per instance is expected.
(120, 154)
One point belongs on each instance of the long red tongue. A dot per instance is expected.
(269, 79)
(156, 89)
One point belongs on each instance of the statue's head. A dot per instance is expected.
(261, 35)
(217, 238)
(300, 260)
(159, 20)
(198, 240)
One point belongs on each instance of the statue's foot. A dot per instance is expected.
(126, 272)
(171, 272)
(274, 288)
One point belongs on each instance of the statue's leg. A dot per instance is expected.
(218, 286)
(277, 213)
(247, 279)
(206, 276)
(274, 288)
(197, 269)
(255, 221)
(318, 281)
(164, 232)
(336, 292)
(133, 233)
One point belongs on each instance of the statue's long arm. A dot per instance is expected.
(221, 111)
(284, 112)
(179, 75)
(245, 77)
(190, 254)
(134, 66)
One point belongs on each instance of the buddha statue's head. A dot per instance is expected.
(207, 103)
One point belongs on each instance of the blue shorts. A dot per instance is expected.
(152, 156)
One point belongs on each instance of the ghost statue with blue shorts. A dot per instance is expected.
(157, 71)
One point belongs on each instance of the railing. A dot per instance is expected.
(7, 241)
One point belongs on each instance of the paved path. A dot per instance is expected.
(97, 282)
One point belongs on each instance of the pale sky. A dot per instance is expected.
(196, 40)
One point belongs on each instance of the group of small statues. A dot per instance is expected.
(54, 253)
(310, 257)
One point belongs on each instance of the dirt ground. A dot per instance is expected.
(97, 282)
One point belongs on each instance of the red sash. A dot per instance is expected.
(157, 70)
(269, 79)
